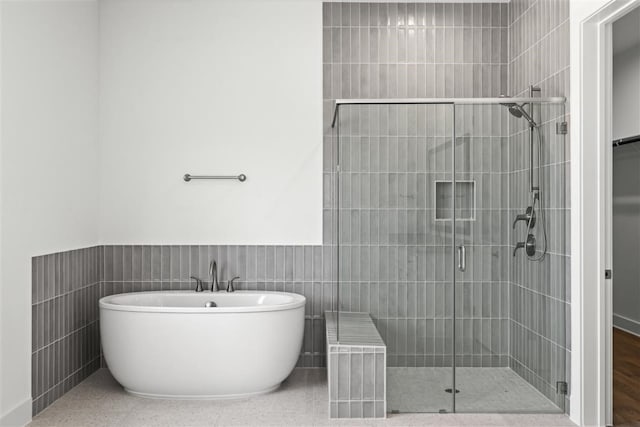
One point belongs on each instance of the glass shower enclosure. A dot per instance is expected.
(434, 239)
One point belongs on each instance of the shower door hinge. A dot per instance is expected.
(608, 274)
(562, 387)
(562, 128)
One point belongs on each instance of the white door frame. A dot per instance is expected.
(591, 184)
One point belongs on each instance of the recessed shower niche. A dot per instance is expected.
(465, 200)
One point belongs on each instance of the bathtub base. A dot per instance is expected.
(203, 397)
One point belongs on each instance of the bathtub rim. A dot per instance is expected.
(298, 302)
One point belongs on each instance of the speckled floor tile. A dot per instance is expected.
(79, 417)
(301, 401)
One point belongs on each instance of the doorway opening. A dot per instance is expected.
(625, 218)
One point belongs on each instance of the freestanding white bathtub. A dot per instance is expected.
(169, 345)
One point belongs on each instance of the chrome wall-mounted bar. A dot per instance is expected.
(242, 177)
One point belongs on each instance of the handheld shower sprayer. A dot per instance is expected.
(529, 216)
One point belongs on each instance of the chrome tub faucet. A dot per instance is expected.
(213, 275)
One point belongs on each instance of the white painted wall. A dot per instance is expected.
(626, 237)
(48, 169)
(218, 88)
(626, 92)
(626, 76)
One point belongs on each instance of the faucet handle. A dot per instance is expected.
(519, 245)
(199, 287)
(230, 287)
(520, 217)
(529, 216)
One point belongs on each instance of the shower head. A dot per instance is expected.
(515, 110)
(518, 112)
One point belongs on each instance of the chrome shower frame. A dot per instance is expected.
(435, 101)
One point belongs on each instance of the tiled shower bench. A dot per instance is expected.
(356, 367)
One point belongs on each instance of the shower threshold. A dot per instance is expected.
(481, 390)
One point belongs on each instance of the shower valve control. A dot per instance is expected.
(528, 217)
(529, 246)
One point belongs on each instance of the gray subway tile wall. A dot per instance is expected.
(394, 253)
(380, 50)
(540, 301)
(64, 312)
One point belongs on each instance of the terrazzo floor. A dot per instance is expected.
(481, 390)
(300, 401)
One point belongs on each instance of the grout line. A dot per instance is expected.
(523, 287)
(539, 41)
(34, 304)
(65, 379)
(75, 331)
(539, 335)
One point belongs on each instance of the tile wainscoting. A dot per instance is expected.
(65, 339)
(68, 285)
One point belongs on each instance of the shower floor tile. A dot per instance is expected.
(481, 390)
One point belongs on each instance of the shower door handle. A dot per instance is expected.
(462, 258)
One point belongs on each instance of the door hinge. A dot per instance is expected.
(608, 274)
(562, 128)
(562, 387)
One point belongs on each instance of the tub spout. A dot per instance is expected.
(213, 275)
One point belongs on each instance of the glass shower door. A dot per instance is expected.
(395, 243)
(482, 244)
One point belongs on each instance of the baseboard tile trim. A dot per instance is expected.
(19, 416)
